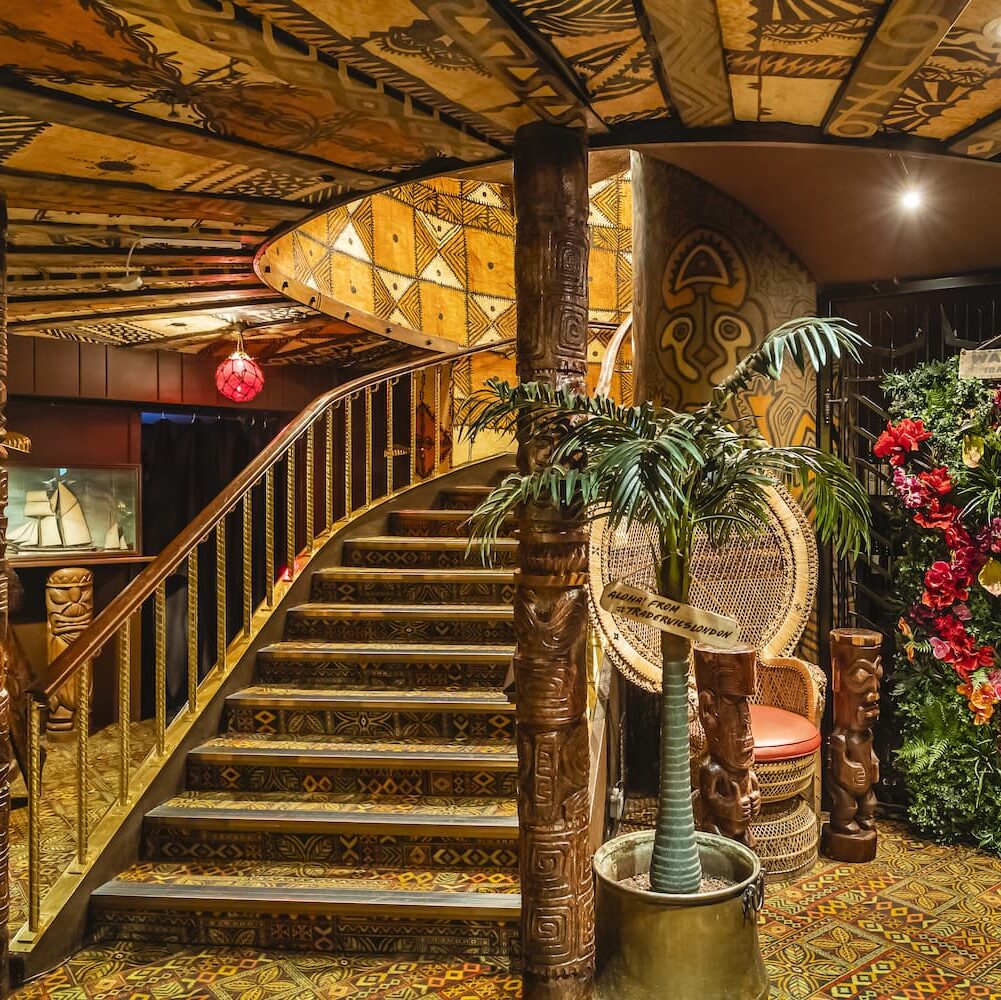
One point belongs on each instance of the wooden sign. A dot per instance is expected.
(670, 616)
(982, 364)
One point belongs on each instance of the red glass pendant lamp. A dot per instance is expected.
(239, 377)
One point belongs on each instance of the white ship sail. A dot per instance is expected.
(72, 523)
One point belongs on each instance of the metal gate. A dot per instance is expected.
(906, 324)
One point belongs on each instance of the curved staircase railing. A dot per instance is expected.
(311, 470)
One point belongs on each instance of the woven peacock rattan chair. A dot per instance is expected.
(768, 585)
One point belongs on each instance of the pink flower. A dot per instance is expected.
(910, 489)
(939, 647)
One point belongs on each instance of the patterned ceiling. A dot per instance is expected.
(189, 131)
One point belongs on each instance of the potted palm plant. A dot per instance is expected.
(678, 473)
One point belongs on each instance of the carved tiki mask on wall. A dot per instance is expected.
(712, 315)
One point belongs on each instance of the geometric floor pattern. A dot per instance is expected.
(59, 806)
(921, 922)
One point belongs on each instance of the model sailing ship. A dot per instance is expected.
(57, 521)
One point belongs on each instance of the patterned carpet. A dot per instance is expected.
(58, 815)
(922, 922)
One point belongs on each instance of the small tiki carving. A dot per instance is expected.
(729, 797)
(69, 602)
(852, 766)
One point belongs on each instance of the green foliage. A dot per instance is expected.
(676, 472)
(951, 767)
(673, 471)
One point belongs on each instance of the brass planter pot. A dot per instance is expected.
(653, 946)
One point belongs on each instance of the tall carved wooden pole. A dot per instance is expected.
(5, 751)
(550, 603)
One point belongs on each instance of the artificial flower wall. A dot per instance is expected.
(943, 444)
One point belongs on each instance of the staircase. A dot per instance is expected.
(361, 796)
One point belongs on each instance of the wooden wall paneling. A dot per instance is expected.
(93, 370)
(57, 368)
(169, 380)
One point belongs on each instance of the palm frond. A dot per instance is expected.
(842, 511)
(809, 340)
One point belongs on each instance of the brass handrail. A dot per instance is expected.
(103, 627)
(119, 624)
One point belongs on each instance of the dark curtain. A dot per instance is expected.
(186, 462)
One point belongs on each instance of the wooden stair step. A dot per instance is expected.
(370, 714)
(487, 623)
(423, 912)
(335, 764)
(260, 879)
(397, 832)
(389, 666)
(458, 585)
(463, 497)
(435, 523)
(401, 552)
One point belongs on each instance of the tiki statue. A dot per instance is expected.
(729, 797)
(69, 601)
(852, 766)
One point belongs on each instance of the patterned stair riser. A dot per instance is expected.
(401, 676)
(463, 497)
(356, 553)
(303, 624)
(425, 524)
(370, 723)
(173, 841)
(443, 591)
(351, 934)
(236, 775)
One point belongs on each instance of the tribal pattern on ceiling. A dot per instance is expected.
(190, 131)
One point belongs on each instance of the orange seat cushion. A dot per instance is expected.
(781, 735)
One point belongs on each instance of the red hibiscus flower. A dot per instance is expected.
(895, 443)
(937, 480)
(939, 515)
(944, 586)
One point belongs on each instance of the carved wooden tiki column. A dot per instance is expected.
(729, 797)
(5, 751)
(69, 604)
(550, 603)
(852, 766)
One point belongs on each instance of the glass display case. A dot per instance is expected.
(81, 512)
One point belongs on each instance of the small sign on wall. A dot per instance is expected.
(982, 364)
(670, 616)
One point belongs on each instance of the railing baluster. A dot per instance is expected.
(34, 813)
(160, 665)
(310, 498)
(368, 446)
(248, 557)
(290, 551)
(413, 427)
(82, 748)
(269, 536)
(193, 630)
(220, 593)
(349, 499)
(389, 436)
(437, 418)
(124, 665)
(328, 470)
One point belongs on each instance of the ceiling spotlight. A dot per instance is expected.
(911, 199)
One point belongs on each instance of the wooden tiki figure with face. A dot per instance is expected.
(729, 796)
(852, 766)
